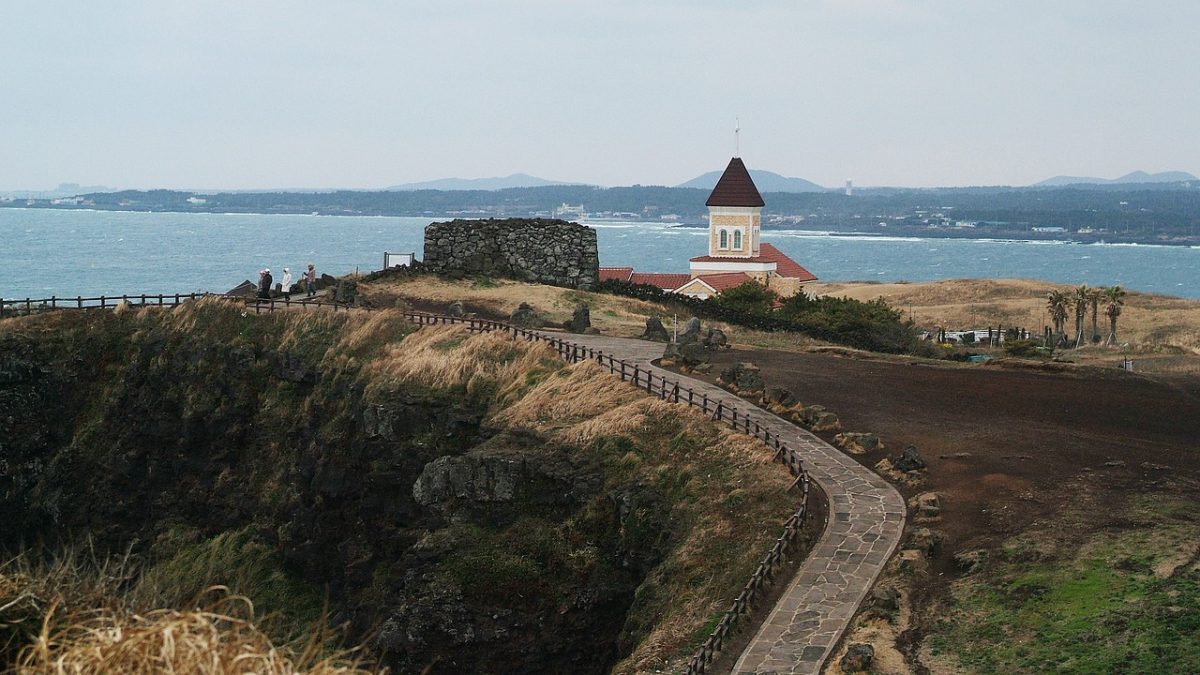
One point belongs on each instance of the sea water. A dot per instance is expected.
(66, 253)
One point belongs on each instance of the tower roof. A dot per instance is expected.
(735, 188)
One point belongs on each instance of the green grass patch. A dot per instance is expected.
(187, 564)
(1126, 601)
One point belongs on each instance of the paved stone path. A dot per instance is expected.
(866, 519)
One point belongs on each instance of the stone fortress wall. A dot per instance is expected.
(539, 250)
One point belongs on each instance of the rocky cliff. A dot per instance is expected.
(388, 470)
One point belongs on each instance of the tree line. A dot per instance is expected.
(1061, 304)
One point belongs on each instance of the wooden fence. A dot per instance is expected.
(32, 306)
(54, 303)
(672, 390)
(665, 388)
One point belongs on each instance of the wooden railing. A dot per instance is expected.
(54, 303)
(639, 376)
(672, 390)
(31, 306)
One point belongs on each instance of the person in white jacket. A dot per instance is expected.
(287, 284)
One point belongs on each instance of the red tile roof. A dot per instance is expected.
(725, 280)
(735, 188)
(784, 266)
(618, 273)
(667, 282)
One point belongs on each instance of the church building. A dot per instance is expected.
(735, 254)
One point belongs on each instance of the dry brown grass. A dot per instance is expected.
(1148, 321)
(76, 613)
(727, 477)
(453, 358)
(611, 314)
(219, 641)
(614, 315)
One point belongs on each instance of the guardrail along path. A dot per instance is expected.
(866, 519)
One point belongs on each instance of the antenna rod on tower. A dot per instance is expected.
(737, 138)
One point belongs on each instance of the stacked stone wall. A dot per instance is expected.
(539, 250)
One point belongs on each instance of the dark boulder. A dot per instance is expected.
(858, 658)
(715, 339)
(743, 377)
(778, 396)
(580, 320)
(525, 317)
(909, 460)
(886, 599)
(346, 291)
(456, 309)
(690, 332)
(655, 330)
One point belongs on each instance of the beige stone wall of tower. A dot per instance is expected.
(785, 287)
(731, 220)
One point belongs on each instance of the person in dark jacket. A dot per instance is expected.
(264, 284)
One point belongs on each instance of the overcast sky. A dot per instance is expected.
(366, 94)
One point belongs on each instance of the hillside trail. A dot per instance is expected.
(866, 520)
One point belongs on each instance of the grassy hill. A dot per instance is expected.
(461, 502)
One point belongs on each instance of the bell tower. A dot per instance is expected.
(734, 214)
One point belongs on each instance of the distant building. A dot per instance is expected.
(1054, 230)
(570, 212)
(735, 254)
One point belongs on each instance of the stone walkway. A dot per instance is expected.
(866, 519)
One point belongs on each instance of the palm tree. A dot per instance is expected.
(1056, 303)
(1080, 299)
(1094, 298)
(1113, 299)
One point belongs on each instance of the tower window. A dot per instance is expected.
(724, 239)
(737, 239)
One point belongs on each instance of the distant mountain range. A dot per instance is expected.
(63, 190)
(765, 181)
(517, 180)
(1135, 177)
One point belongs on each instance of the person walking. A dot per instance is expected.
(310, 280)
(264, 284)
(287, 284)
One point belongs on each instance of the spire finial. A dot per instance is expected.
(737, 137)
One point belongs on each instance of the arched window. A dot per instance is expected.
(724, 239)
(737, 239)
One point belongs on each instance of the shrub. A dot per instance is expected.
(1027, 349)
(867, 325)
(751, 297)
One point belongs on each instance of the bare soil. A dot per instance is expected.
(1010, 450)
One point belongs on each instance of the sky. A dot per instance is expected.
(230, 94)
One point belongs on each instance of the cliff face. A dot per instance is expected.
(465, 503)
(128, 430)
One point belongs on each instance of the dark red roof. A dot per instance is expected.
(735, 188)
(667, 282)
(725, 280)
(618, 273)
(784, 266)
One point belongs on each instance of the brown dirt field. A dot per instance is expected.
(1009, 450)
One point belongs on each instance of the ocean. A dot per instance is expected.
(46, 252)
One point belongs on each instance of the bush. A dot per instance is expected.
(1026, 349)
(871, 325)
(750, 297)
